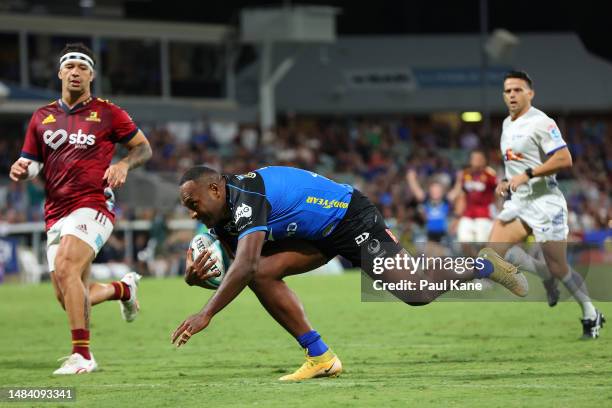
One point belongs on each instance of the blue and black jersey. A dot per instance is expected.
(436, 216)
(285, 202)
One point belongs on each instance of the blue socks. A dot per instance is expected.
(485, 270)
(312, 342)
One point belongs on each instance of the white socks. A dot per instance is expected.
(576, 286)
(517, 256)
(573, 280)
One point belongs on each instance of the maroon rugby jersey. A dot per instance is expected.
(76, 147)
(479, 187)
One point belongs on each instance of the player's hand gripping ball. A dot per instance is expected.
(207, 262)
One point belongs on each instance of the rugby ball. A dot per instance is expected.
(204, 241)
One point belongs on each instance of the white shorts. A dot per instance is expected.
(87, 224)
(474, 229)
(545, 214)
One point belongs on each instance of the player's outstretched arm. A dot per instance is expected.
(139, 151)
(236, 279)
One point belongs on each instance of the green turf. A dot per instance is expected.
(447, 354)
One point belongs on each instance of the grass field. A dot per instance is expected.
(447, 354)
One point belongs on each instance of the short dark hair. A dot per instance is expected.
(519, 75)
(78, 47)
(479, 150)
(197, 172)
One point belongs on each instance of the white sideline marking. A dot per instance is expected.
(343, 384)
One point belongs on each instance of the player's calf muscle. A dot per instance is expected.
(58, 292)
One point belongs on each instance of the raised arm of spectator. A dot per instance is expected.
(457, 189)
(415, 187)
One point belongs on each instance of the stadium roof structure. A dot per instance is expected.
(112, 28)
(23, 97)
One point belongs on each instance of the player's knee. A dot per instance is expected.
(419, 299)
(417, 303)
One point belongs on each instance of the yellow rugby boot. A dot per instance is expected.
(505, 273)
(325, 365)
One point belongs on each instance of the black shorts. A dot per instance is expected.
(361, 236)
(435, 236)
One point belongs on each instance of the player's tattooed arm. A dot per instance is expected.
(237, 278)
(139, 151)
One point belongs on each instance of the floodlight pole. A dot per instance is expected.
(266, 95)
(24, 74)
(484, 65)
(268, 80)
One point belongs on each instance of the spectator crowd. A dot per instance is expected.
(371, 153)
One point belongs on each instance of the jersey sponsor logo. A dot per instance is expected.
(243, 211)
(510, 155)
(435, 212)
(93, 117)
(80, 140)
(250, 174)
(291, 229)
(554, 132)
(54, 139)
(361, 238)
(49, 119)
(82, 228)
(326, 203)
(474, 186)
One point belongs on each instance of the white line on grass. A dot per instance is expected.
(344, 384)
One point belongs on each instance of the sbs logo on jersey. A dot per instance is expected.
(80, 140)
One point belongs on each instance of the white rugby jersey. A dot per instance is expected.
(526, 143)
